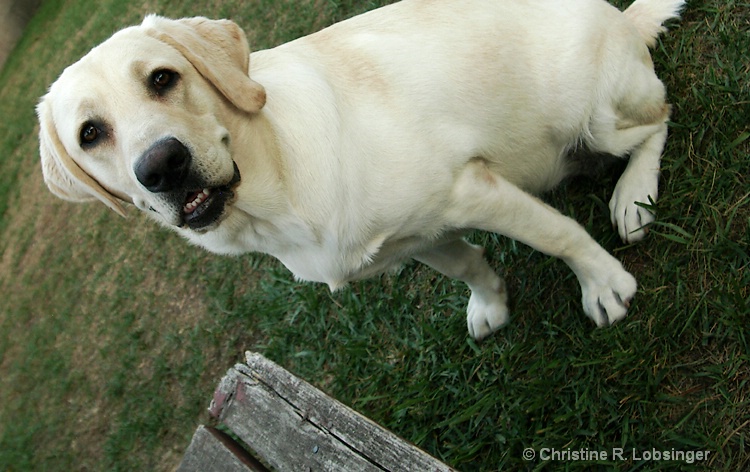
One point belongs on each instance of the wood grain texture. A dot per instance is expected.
(294, 426)
(213, 451)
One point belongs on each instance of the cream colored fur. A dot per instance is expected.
(383, 137)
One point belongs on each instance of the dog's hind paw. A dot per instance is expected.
(631, 219)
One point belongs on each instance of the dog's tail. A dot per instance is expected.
(648, 15)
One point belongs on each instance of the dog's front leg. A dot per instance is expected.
(460, 260)
(482, 199)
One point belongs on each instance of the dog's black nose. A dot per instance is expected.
(164, 166)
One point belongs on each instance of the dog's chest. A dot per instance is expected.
(337, 265)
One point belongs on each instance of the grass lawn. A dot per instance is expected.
(114, 333)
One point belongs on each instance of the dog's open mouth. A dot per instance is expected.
(204, 207)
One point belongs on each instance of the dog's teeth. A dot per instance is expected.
(199, 198)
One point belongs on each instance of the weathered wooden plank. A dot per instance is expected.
(211, 450)
(280, 434)
(294, 426)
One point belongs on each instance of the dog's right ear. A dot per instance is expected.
(218, 49)
(62, 175)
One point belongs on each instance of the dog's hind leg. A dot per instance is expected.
(638, 183)
(637, 127)
(482, 199)
(460, 260)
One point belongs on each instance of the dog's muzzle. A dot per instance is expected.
(165, 169)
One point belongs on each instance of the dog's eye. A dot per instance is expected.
(163, 79)
(89, 134)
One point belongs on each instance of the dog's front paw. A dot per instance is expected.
(607, 300)
(632, 220)
(486, 314)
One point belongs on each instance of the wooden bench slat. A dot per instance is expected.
(211, 450)
(294, 426)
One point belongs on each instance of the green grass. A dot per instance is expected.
(114, 333)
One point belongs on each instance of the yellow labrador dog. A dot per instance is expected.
(381, 138)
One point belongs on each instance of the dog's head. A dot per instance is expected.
(139, 120)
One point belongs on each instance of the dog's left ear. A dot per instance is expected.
(218, 49)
